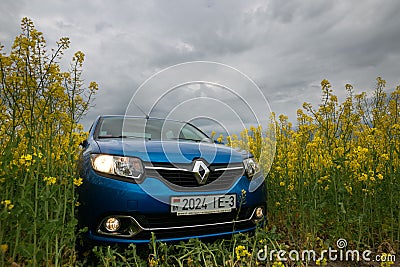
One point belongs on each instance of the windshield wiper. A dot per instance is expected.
(109, 136)
(188, 139)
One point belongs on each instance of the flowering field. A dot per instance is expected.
(336, 172)
(333, 175)
(39, 140)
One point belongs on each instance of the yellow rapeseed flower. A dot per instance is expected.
(363, 177)
(26, 160)
(7, 204)
(241, 252)
(278, 264)
(4, 248)
(244, 192)
(396, 126)
(349, 189)
(386, 260)
(153, 261)
(50, 180)
(262, 241)
(321, 262)
(39, 155)
(220, 138)
(78, 181)
(385, 157)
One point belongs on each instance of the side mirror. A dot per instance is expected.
(219, 143)
(84, 143)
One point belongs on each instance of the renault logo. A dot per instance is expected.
(200, 171)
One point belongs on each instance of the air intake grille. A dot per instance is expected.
(221, 176)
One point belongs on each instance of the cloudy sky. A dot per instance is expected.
(285, 47)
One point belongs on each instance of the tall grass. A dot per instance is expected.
(40, 107)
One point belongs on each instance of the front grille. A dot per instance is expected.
(221, 175)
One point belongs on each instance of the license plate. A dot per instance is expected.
(190, 205)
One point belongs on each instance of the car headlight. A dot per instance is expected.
(130, 167)
(251, 166)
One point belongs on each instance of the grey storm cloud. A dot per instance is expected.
(286, 47)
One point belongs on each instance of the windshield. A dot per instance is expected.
(150, 129)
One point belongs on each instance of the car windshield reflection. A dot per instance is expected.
(148, 129)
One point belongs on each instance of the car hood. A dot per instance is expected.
(170, 151)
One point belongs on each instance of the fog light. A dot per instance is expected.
(259, 212)
(112, 224)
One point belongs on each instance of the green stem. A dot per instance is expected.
(35, 219)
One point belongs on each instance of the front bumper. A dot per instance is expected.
(144, 209)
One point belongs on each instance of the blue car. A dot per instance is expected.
(147, 175)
